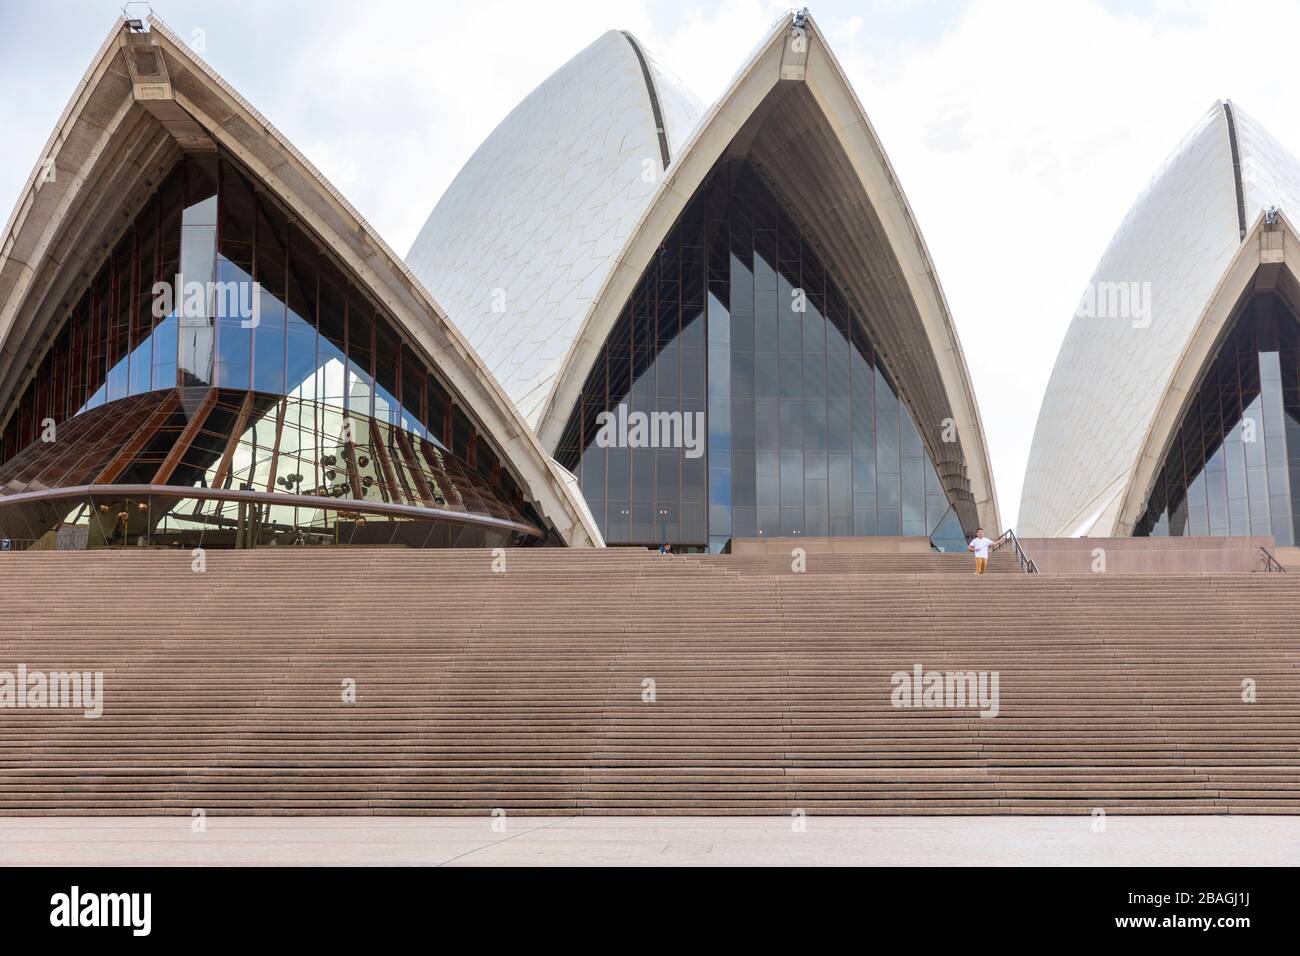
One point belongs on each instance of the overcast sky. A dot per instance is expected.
(1021, 131)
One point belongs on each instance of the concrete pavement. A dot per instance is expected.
(653, 841)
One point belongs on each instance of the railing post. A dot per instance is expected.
(1027, 564)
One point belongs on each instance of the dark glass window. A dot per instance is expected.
(387, 370)
(195, 299)
(737, 328)
(412, 393)
(270, 270)
(214, 284)
(146, 274)
(302, 361)
(1235, 457)
(361, 339)
(332, 344)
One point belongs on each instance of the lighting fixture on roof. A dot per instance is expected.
(135, 24)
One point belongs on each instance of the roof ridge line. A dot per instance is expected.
(660, 128)
(1236, 168)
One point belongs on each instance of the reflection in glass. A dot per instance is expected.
(338, 469)
(262, 309)
(292, 382)
(1235, 458)
(736, 319)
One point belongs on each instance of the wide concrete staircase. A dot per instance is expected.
(529, 689)
(1002, 561)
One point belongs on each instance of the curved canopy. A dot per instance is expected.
(791, 112)
(145, 100)
(1139, 336)
(1267, 264)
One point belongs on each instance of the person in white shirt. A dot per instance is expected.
(980, 545)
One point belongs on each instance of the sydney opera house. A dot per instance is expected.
(748, 276)
(630, 319)
(1174, 406)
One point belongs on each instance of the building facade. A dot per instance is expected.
(724, 327)
(644, 321)
(204, 345)
(1174, 406)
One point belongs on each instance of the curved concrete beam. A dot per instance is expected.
(1269, 259)
(145, 97)
(859, 219)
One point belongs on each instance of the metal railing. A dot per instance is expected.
(1271, 563)
(1027, 564)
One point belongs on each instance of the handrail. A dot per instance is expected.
(1027, 564)
(1271, 563)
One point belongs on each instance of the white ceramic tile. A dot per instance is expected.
(543, 207)
(1180, 236)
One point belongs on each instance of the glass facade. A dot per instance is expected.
(1233, 467)
(260, 469)
(739, 396)
(218, 347)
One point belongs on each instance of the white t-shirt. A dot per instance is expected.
(981, 546)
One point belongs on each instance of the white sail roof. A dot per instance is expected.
(525, 235)
(1139, 313)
